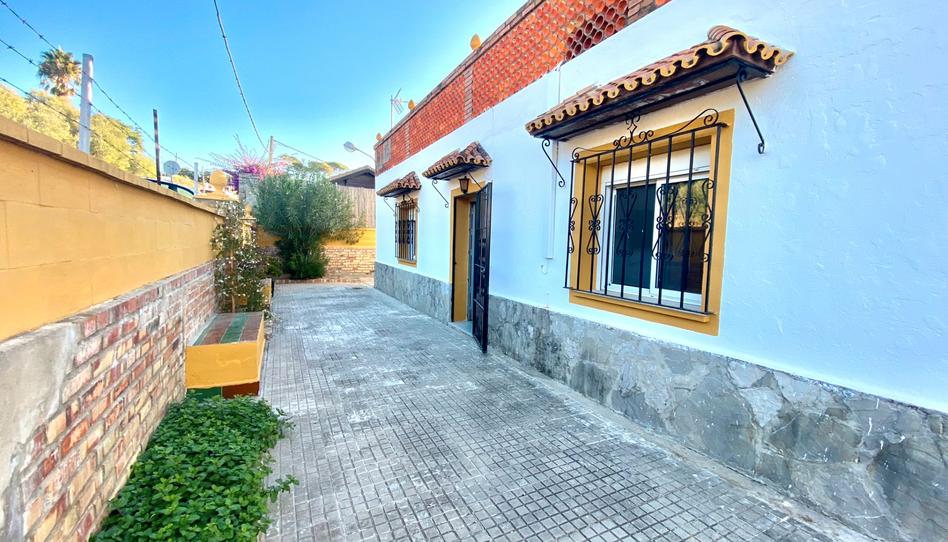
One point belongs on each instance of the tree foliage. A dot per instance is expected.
(312, 166)
(112, 140)
(12, 106)
(120, 145)
(304, 210)
(59, 72)
(238, 264)
(247, 160)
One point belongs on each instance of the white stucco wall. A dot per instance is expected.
(836, 264)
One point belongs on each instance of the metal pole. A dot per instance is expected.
(85, 105)
(157, 150)
(196, 177)
(270, 154)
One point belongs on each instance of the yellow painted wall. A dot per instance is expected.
(266, 239)
(75, 231)
(366, 239)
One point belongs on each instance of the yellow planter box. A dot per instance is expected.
(228, 352)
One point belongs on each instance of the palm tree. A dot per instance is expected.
(59, 72)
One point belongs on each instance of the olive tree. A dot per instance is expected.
(304, 210)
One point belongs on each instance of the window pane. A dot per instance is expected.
(632, 233)
(682, 229)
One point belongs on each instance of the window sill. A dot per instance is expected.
(702, 323)
(407, 262)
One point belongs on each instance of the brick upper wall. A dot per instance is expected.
(532, 42)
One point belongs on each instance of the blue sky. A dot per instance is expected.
(316, 73)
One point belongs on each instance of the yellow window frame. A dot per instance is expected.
(398, 217)
(720, 173)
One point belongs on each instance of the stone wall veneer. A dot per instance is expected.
(84, 395)
(424, 294)
(879, 466)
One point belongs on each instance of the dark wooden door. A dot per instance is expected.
(481, 290)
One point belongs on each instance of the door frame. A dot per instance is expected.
(480, 323)
(458, 253)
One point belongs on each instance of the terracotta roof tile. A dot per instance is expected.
(722, 40)
(408, 183)
(458, 161)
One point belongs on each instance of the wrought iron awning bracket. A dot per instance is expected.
(385, 200)
(742, 75)
(545, 144)
(434, 184)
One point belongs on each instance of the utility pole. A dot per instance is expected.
(85, 105)
(270, 153)
(157, 150)
(197, 177)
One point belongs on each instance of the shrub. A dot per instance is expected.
(310, 265)
(202, 476)
(273, 266)
(303, 209)
(238, 267)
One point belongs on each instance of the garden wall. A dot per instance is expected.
(104, 279)
(80, 231)
(344, 260)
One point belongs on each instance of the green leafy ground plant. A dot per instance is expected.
(203, 475)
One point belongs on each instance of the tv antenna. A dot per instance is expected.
(397, 105)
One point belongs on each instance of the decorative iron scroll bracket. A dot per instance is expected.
(545, 144)
(385, 200)
(742, 76)
(434, 184)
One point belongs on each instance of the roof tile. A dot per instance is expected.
(408, 183)
(472, 156)
(722, 40)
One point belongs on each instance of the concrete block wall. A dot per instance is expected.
(104, 278)
(78, 231)
(87, 392)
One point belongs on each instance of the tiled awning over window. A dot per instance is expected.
(705, 67)
(458, 162)
(402, 185)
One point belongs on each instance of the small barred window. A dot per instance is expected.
(406, 230)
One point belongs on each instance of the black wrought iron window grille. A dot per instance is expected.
(406, 230)
(641, 218)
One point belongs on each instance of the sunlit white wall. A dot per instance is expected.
(836, 263)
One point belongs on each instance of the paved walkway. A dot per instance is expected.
(404, 430)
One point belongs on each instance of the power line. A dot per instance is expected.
(28, 25)
(144, 132)
(30, 96)
(15, 50)
(318, 159)
(240, 88)
(129, 117)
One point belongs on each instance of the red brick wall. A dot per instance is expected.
(128, 367)
(532, 42)
(349, 261)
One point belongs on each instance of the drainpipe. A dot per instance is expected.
(551, 218)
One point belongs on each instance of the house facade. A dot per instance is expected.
(697, 215)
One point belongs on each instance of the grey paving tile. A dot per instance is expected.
(405, 431)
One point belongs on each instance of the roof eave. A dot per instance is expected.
(687, 85)
(455, 171)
